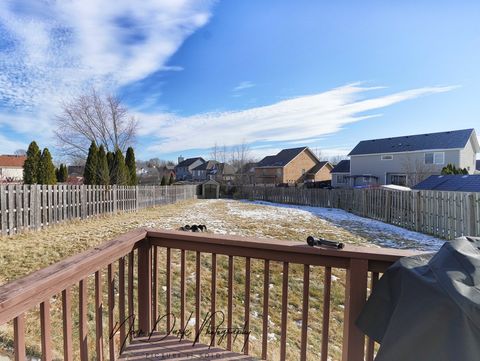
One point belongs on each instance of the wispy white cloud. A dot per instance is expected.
(291, 120)
(243, 85)
(54, 49)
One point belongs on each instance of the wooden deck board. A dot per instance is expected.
(171, 348)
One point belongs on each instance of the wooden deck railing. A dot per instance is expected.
(136, 290)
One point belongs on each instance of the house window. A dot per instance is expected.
(398, 179)
(387, 157)
(435, 158)
(342, 179)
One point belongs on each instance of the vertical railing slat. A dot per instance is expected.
(198, 295)
(266, 285)
(284, 325)
(99, 315)
(131, 311)
(19, 337)
(230, 302)
(327, 284)
(111, 312)
(169, 289)
(306, 295)
(83, 323)
(155, 287)
(121, 295)
(67, 324)
(182, 289)
(213, 298)
(46, 333)
(247, 305)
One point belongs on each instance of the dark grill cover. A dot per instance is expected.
(427, 307)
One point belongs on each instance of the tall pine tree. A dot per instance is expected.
(64, 173)
(131, 167)
(32, 164)
(103, 171)
(111, 164)
(119, 174)
(171, 180)
(164, 181)
(46, 174)
(91, 165)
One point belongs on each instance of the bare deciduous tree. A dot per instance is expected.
(416, 170)
(92, 117)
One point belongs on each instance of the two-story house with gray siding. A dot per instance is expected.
(410, 159)
(341, 174)
(184, 168)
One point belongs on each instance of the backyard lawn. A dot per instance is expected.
(24, 253)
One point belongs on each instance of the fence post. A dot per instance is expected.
(137, 195)
(114, 198)
(472, 215)
(145, 287)
(417, 212)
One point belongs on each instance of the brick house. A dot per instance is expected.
(292, 166)
(11, 168)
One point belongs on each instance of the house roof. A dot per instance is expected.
(342, 167)
(15, 161)
(443, 140)
(461, 183)
(188, 162)
(477, 167)
(281, 159)
(318, 166)
(207, 165)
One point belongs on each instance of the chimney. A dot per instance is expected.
(180, 159)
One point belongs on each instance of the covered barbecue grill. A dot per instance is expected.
(427, 307)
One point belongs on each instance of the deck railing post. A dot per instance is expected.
(144, 287)
(355, 297)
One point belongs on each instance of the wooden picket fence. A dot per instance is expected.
(31, 207)
(443, 214)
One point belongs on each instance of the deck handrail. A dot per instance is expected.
(20, 296)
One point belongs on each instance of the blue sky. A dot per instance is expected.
(273, 74)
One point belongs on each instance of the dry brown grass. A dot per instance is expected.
(24, 253)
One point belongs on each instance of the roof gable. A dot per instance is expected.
(282, 158)
(443, 140)
(460, 183)
(319, 166)
(342, 167)
(188, 162)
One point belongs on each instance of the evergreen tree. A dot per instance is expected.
(131, 167)
(111, 164)
(103, 171)
(119, 173)
(171, 180)
(61, 173)
(46, 174)
(164, 181)
(91, 165)
(451, 169)
(32, 164)
(64, 173)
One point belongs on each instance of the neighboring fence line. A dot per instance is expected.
(442, 214)
(31, 207)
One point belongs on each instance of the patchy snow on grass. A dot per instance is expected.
(379, 233)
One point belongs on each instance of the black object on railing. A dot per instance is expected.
(194, 228)
(312, 241)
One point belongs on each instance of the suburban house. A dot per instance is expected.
(183, 170)
(408, 160)
(291, 166)
(11, 168)
(246, 174)
(166, 171)
(341, 174)
(455, 183)
(220, 172)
